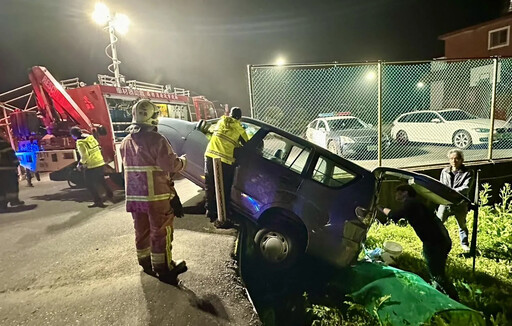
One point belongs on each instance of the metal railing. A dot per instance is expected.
(72, 83)
(408, 113)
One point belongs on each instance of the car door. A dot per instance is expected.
(427, 187)
(331, 191)
(269, 173)
(431, 127)
(320, 134)
(310, 130)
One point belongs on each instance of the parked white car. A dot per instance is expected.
(452, 126)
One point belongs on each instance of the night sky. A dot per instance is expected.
(205, 46)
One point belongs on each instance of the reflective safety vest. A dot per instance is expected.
(225, 139)
(148, 162)
(90, 152)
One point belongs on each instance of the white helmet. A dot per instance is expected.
(144, 112)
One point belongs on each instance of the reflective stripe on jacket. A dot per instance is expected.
(90, 152)
(225, 139)
(149, 161)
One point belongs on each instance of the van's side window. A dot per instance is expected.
(331, 174)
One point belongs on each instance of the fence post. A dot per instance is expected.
(379, 113)
(476, 203)
(249, 79)
(493, 105)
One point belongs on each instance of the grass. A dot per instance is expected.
(488, 289)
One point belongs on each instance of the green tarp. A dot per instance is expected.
(412, 301)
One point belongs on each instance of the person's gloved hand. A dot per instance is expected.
(79, 166)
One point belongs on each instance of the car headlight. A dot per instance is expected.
(346, 140)
(481, 129)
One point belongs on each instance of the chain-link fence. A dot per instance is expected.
(422, 109)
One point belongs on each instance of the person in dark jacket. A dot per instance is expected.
(9, 191)
(430, 230)
(458, 177)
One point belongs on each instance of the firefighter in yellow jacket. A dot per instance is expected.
(228, 134)
(149, 164)
(92, 164)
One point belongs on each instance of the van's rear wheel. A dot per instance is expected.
(279, 245)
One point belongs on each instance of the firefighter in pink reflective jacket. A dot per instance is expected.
(149, 163)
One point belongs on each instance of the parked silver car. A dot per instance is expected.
(302, 197)
(344, 135)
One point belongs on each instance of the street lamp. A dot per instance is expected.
(119, 23)
(280, 61)
(370, 75)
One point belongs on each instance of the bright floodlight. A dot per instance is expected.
(121, 23)
(280, 61)
(101, 14)
(420, 84)
(370, 75)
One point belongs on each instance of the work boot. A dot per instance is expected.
(171, 277)
(100, 205)
(146, 266)
(17, 202)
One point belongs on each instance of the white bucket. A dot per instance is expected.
(391, 251)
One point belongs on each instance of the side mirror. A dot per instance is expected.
(436, 120)
(322, 129)
(200, 125)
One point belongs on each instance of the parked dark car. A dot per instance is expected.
(302, 197)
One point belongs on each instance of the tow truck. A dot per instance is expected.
(40, 133)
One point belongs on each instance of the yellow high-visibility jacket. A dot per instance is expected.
(225, 139)
(90, 152)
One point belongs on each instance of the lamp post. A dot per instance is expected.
(117, 22)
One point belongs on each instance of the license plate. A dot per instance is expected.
(371, 147)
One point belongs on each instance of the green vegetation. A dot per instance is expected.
(488, 290)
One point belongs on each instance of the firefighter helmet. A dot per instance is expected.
(236, 113)
(144, 112)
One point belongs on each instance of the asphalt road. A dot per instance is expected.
(64, 263)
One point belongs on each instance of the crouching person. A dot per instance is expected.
(430, 230)
(149, 163)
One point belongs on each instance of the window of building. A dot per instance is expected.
(331, 174)
(499, 37)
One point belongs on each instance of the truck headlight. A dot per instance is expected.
(346, 140)
(481, 129)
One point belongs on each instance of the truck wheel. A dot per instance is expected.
(462, 139)
(279, 245)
